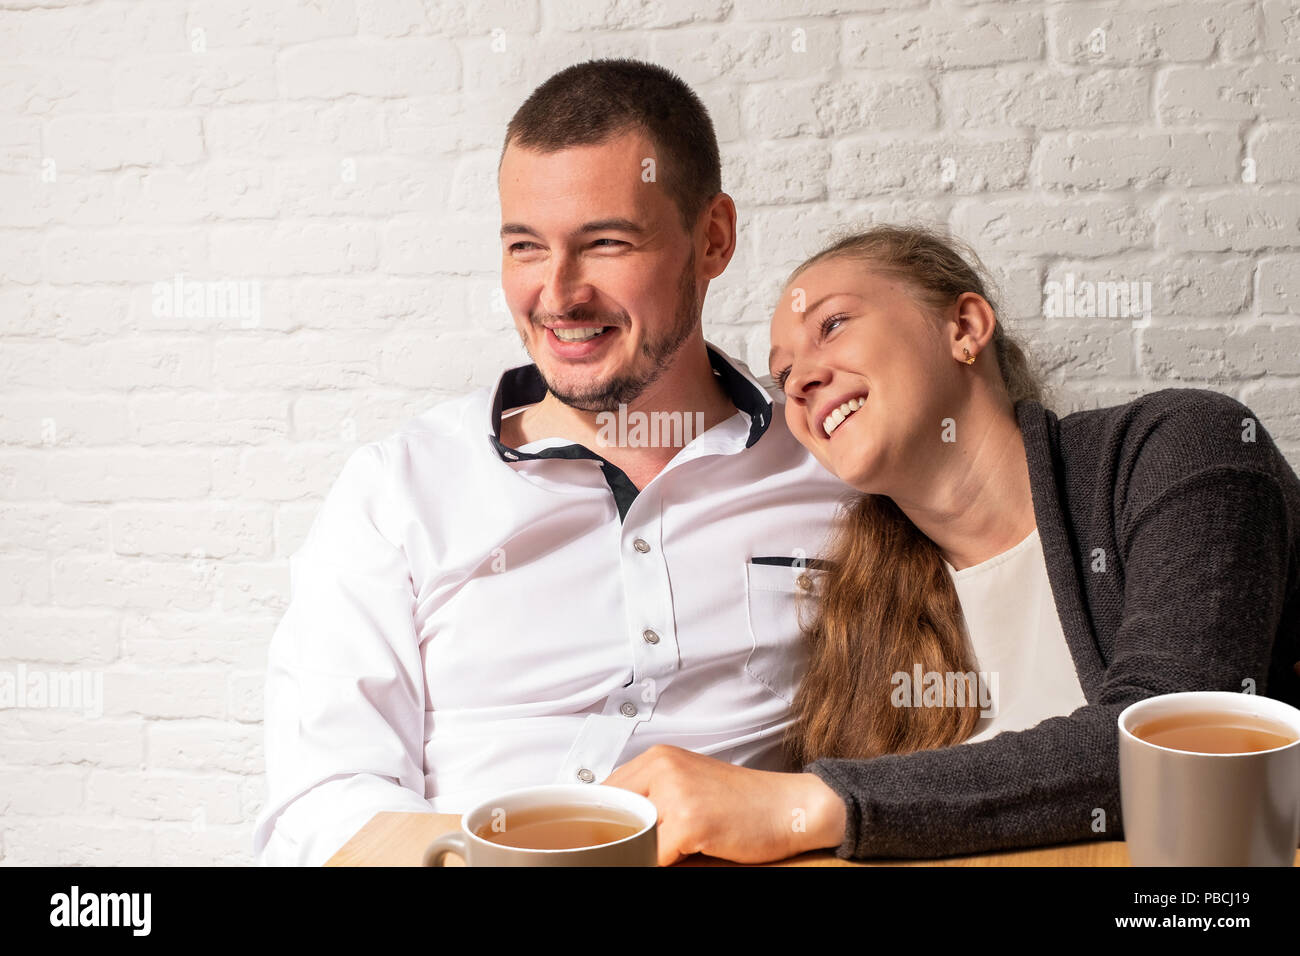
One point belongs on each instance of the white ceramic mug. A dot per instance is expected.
(640, 849)
(1205, 809)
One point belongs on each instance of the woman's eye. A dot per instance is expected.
(780, 378)
(826, 322)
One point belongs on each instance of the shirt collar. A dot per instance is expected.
(523, 385)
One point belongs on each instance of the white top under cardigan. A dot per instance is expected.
(1017, 639)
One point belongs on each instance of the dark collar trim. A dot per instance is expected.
(524, 386)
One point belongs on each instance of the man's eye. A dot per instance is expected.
(617, 242)
(519, 245)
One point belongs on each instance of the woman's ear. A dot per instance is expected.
(972, 327)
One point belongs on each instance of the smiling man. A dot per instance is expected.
(500, 594)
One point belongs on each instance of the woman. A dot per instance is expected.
(1055, 570)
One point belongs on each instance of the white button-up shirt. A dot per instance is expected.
(468, 618)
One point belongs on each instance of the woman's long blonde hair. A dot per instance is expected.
(886, 604)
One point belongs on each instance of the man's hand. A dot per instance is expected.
(733, 813)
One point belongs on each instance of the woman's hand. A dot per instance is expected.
(733, 813)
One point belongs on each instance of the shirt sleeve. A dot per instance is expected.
(344, 724)
(1205, 566)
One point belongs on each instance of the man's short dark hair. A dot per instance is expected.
(590, 102)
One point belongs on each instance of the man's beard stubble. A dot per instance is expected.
(623, 389)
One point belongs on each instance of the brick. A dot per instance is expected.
(134, 255)
(186, 79)
(55, 87)
(130, 583)
(99, 31)
(1220, 353)
(153, 639)
(211, 531)
(1276, 151)
(292, 249)
(278, 473)
(386, 68)
(1104, 160)
(452, 363)
(1227, 92)
(59, 636)
(1279, 284)
(1274, 404)
(259, 131)
(208, 745)
(24, 580)
(72, 199)
(880, 165)
(73, 313)
(253, 587)
(399, 18)
(942, 39)
(377, 185)
(302, 360)
(64, 841)
(1237, 222)
(236, 23)
(170, 694)
(1088, 227)
(781, 174)
(1025, 95)
(48, 738)
(438, 245)
(156, 795)
(860, 103)
(1174, 32)
(247, 692)
(217, 190)
(208, 419)
(1282, 29)
(746, 54)
(61, 791)
(57, 527)
(354, 416)
(62, 421)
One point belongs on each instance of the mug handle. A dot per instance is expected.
(453, 842)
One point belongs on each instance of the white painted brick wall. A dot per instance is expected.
(156, 472)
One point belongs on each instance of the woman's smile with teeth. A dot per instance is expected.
(832, 421)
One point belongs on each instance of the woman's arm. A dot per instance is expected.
(1205, 567)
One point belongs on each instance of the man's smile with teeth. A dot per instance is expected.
(833, 420)
(580, 333)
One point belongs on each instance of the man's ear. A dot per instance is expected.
(719, 219)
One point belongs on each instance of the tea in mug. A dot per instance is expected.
(1215, 732)
(559, 827)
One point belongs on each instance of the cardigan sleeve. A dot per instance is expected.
(1205, 565)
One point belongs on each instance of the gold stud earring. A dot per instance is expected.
(970, 359)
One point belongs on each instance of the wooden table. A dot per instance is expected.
(399, 839)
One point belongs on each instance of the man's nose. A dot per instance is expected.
(564, 287)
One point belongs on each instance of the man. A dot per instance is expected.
(529, 584)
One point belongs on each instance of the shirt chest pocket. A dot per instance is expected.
(775, 595)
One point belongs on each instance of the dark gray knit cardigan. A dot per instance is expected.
(1196, 518)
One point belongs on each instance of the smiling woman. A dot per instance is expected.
(1005, 583)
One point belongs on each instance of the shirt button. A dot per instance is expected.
(804, 581)
(641, 545)
(585, 775)
(628, 709)
(650, 636)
